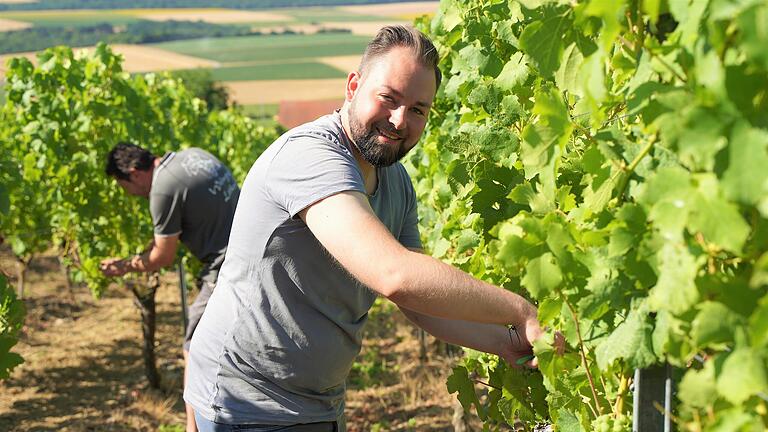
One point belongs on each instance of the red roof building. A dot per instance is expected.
(295, 113)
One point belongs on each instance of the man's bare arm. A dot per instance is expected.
(511, 344)
(491, 338)
(347, 227)
(161, 253)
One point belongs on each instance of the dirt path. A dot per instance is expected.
(83, 369)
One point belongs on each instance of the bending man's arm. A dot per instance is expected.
(161, 253)
(347, 227)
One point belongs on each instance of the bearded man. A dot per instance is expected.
(327, 222)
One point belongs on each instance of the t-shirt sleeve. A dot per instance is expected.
(309, 168)
(166, 214)
(409, 235)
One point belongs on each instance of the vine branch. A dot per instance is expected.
(623, 387)
(486, 384)
(584, 357)
(633, 165)
(663, 62)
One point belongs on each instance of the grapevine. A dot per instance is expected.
(12, 310)
(607, 159)
(60, 120)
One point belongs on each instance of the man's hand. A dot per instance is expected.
(519, 351)
(520, 344)
(113, 267)
(161, 253)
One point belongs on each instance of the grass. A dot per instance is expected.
(260, 111)
(300, 70)
(263, 115)
(269, 47)
(70, 18)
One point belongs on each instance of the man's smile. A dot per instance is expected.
(389, 135)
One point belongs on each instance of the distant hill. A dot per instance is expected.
(156, 4)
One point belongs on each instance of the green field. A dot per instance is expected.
(269, 47)
(71, 19)
(276, 71)
(263, 110)
(264, 115)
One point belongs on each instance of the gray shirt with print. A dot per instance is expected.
(194, 195)
(285, 322)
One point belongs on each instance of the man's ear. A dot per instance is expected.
(353, 84)
(132, 174)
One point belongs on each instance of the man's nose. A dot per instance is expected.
(397, 117)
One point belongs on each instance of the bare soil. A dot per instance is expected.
(394, 9)
(217, 16)
(361, 28)
(136, 58)
(83, 368)
(342, 63)
(142, 58)
(364, 28)
(7, 25)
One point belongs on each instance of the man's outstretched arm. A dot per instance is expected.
(161, 253)
(511, 344)
(347, 227)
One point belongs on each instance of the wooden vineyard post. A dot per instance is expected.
(144, 299)
(22, 268)
(653, 399)
(65, 273)
(183, 293)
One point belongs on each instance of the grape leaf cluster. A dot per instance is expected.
(608, 161)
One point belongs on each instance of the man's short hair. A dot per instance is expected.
(402, 36)
(126, 156)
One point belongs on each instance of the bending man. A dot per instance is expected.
(192, 198)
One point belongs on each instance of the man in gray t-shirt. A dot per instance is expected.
(325, 223)
(192, 198)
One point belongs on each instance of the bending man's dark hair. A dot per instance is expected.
(401, 36)
(126, 156)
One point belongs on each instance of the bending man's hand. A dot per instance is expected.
(113, 267)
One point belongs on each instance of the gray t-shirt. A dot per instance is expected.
(195, 195)
(285, 322)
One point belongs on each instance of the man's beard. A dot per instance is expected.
(375, 153)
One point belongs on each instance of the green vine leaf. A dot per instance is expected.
(543, 40)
